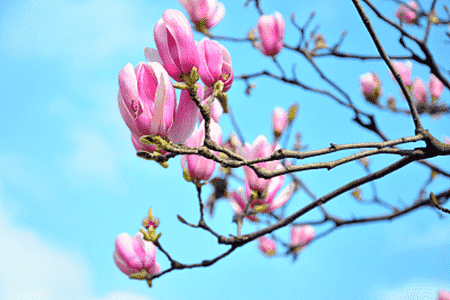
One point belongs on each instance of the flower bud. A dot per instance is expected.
(436, 87)
(204, 13)
(370, 87)
(271, 33)
(407, 14)
(268, 247)
(301, 235)
(133, 254)
(279, 121)
(419, 92)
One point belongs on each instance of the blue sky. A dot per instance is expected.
(70, 181)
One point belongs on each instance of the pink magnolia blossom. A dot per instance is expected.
(301, 235)
(447, 140)
(207, 12)
(279, 121)
(239, 199)
(407, 15)
(444, 295)
(199, 167)
(404, 71)
(147, 103)
(267, 246)
(436, 87)
(419, 91)
(271, 33)
(215, 65)
(133, 254)
(370, 86)
(260, 148)
(176, 45)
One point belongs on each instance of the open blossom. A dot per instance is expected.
(260, 148)
(239, 199)
(133, 254)
(370, 87)
(404, 71)
(301, 235)
(444, 295)
(436, 87)
(419, 91)
(407, 14)
(267, 246)
(279, 121)
(176, 45)
(207, 13)
(215, 65)
(199, 167)
(271, 33)
(147, 103)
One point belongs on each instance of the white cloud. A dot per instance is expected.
(33, 269)
(416, 290)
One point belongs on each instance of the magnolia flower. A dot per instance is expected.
(239, 199)
(271, 33)
(268, 247)
(215, 65)
(407, 14)
(147, 103)
(419, 92)
(404, 71)
(301, 236)
(436, 87)
(279, 121)
(370, 87)
(207, 13)
(444, 295)
(176, 45)
(260, 148)
(199, 167)
(133, 254)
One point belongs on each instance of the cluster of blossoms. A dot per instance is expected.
(371, 85)
(301, 235)
(149, 106)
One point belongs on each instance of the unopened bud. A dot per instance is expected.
(293, 110)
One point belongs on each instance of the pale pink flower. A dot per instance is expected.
(404, 71)
(444, 295)
(199, 167)
(176, 45)
(271, 33)
(239, 199)
(267, 246)
(447, 140)
(133, 254)
(215, 65)
(436, 87)
(208, 12)
(147, 103)
(260, 148)
(407, 14)
(370, 87)
(301, 235)
(419, 92)
(279, 121)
